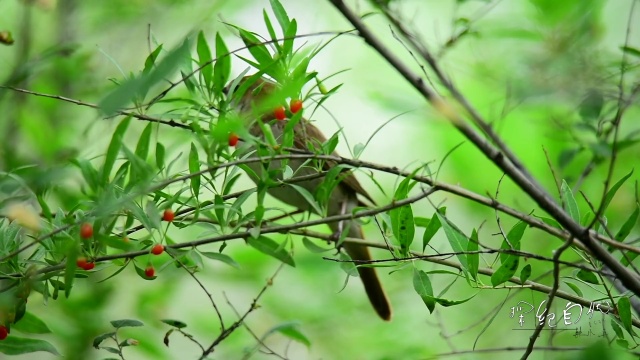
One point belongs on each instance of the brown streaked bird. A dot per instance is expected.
(343, 198)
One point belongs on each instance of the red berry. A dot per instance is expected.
(86, 230)
(233, 139)
(150, 271)
(168, 215)
(3, 332)
(295, 105)
(157, 249)
(84, 264)
(279, 113)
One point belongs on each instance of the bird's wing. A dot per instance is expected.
(309, 131)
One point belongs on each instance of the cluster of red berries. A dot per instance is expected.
(158, 249)
(4, 332)
(280, 113)
(84, 264)
(86, 232)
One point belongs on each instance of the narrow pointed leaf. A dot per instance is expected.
(570, 202)
(624, 311)
(473, 260)
(271, 248)
(205, 60)
(222, 68)
(114, 149)
(194, 167)
(422, 286)
(614, 189)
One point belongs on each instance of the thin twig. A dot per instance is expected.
(240, 321)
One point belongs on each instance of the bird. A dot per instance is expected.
(256, 104)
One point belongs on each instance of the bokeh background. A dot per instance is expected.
(526, 70)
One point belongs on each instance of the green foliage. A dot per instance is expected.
(185, 102)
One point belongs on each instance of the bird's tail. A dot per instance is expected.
(368, 275)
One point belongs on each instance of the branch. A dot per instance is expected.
(512, 168)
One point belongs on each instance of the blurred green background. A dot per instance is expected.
(526, 65)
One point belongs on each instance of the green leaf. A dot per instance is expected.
(570, 202)
(222, 68)
(271, 248)
(311, 246)
(402, 222)
(587, 276)
(457, 240)
(358, 149)
(307, 196)
(630, 256)
(473, 260)
(257, 49)
(566, 156)
(175, 323)
(591, 106)
(347, 265)
(624, 311)
(114, 149)
(126, 323)
(550, 221)
(630, 50)
(205, 60)
(151, 59)
(100, 338)
(281, 14)
(612, 192)
(70, 269)
(622, 343)
(111, 350)
(432, 228)
(330, 145)
(291, 331)
(31, 324)
(616, 328)
(420, 221)
(628, 225)
(514, 236)
(89, 173)
(289, 37)
(525, 273)
(575, 288)
(221, 257)
(422, 286)
(272, 32)
(142, 149)
(138, 86)
(160, 155)
(194, 167)
(506, 270)
(142, 274)
(446, 303)
(14, 345)
(405, 227)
